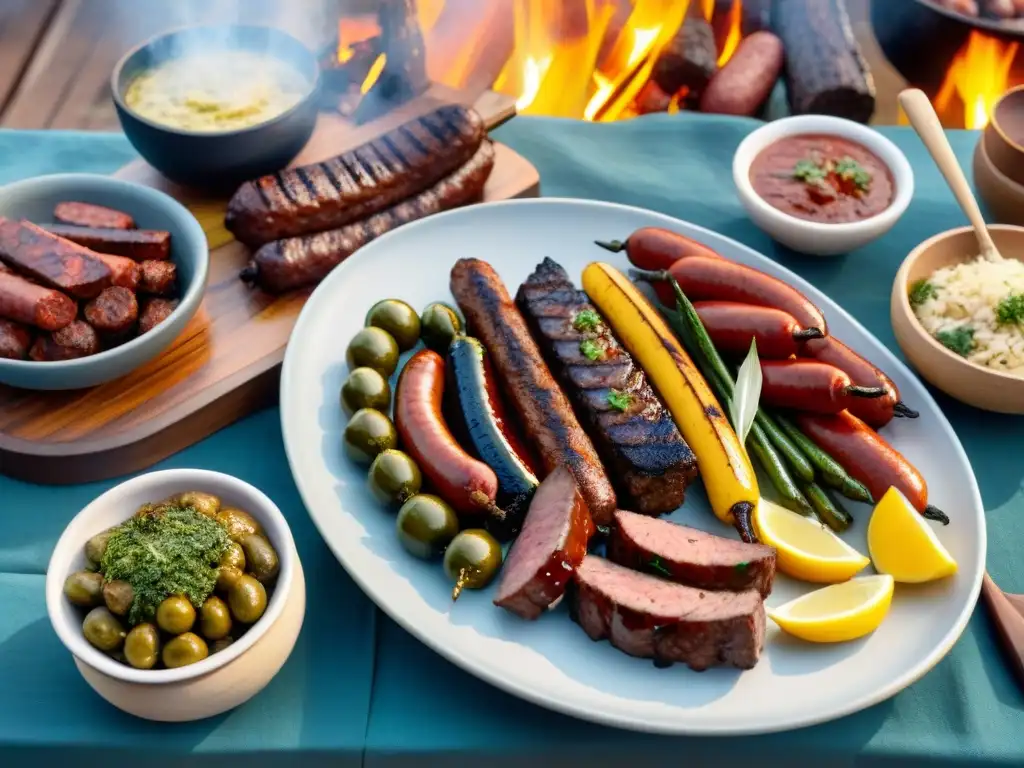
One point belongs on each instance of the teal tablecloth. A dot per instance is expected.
(358, 688)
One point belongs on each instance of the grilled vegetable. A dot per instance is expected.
(728, 475)
(829, 510)
(831, 471)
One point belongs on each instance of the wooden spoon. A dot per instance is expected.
(926, 123)
(1008, 614)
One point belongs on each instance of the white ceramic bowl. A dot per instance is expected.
(811, 237)
(226, 678)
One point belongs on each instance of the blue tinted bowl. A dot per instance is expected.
(34, 199)
(218, 160)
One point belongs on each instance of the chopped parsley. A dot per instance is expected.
(593, 349)
(845, 175)
(656, 565)
(1011, 309)
(741, 567)
(586, 320)
(848, 169)
(921, 291)
(809, 171)
(619, 400)
(959, 340)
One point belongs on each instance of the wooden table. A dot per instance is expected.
(56, 55)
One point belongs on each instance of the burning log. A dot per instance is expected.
(652, 99)
(689, 59)
(825, 71)
(338, 75)
(401, 72)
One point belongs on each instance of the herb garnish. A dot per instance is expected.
(920, 292)
(959, 340)
(1011, 309)
(167, 551)
(593, 349)
(586, 320)
(809, 171)
(848, 169)
(847, 174)
(619, 400)
(656, 565)
(741, 567)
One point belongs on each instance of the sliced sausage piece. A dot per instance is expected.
(690, 556)
(29, 303)
(552, 543)
(51, 261)
(159, 278)
(656, 619)
(138, 244)
(15, 340)
(89, 215)
(124, 272)
(112, 312)
(76, 340)
(154, 312)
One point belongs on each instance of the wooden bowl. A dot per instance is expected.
(1002, 196)
(1004, 133)
(976, 385)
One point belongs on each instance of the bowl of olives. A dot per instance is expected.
(179, 593)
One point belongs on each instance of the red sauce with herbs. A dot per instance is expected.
(822, 178)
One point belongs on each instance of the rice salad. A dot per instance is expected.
(976, 309)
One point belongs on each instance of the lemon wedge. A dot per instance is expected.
(839, 612)
(807, 550)
(903, 545)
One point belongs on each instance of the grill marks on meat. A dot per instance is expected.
(358, 183)
(690, 556)
(655, 619)
(52, 261)
(648, 458)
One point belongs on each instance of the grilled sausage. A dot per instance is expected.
(542, 407)
(113, 312)
(138, 244)
(89, 215)
(153, 312)
(364, 181)
(159, 278)
(732, 325)
(812, 386)
(747, 79)
(124, 272)
(299, 261)
(15, 340)
(32, 304)
(51, 261)
(78, 339)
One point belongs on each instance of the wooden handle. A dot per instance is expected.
(1009, 625)
(926, 123)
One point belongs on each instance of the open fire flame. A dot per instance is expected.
(977, 77)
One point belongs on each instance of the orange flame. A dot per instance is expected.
(374, 74)
(735, 33)
(979, 75)
(352, 30)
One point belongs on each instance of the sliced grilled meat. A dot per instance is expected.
(649, 461)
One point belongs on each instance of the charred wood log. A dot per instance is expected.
(339, 75)
(757, 16)
(404, 75)
(825, 71)
(689, 59)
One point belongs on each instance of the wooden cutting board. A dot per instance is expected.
(226, 363)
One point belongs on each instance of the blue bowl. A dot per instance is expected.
(219, 160)
(34, 199)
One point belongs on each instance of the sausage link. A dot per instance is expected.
(89, 215)
(32, 304)
(153, 312)
(470, 486)
(113, 312)
(732, 325)
(15, 340)
(138, 244)
(807, 385)
(543, 409)
(745, 82)
(124, 272)
(159, 278)
(78, 339)
(51, 261)
(296, 262)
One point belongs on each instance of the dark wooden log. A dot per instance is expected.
(404, 75)
(340, 76)
(825, 71)
(690, 58)
(757, 15)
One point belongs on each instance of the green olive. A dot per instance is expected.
(247, 599)
(185, 649)
(219, 645)
(202, 502)
(397, 318)
(118, 595)
(425, 525)
(227, 575)
(142, 646)
(234, 556)
(394, 477)
(365, 388)
(472, 560)
(260, 558)
(367, 434)
(238, 523)
(373, 348)
(84, 588)
(102, 629)
(97, 546)
(214, 618)
(439, 324)
(175, 615)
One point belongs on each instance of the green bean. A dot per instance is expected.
(828, 509)
(832, 472)
(790, 495)
(794, 457)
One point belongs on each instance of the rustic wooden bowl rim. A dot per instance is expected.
(994, 122)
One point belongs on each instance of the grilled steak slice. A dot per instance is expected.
(656, 619)
(634, 434)
(689, 556)
(552, 543)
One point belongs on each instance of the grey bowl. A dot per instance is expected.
(34, 199)
(224, 159)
